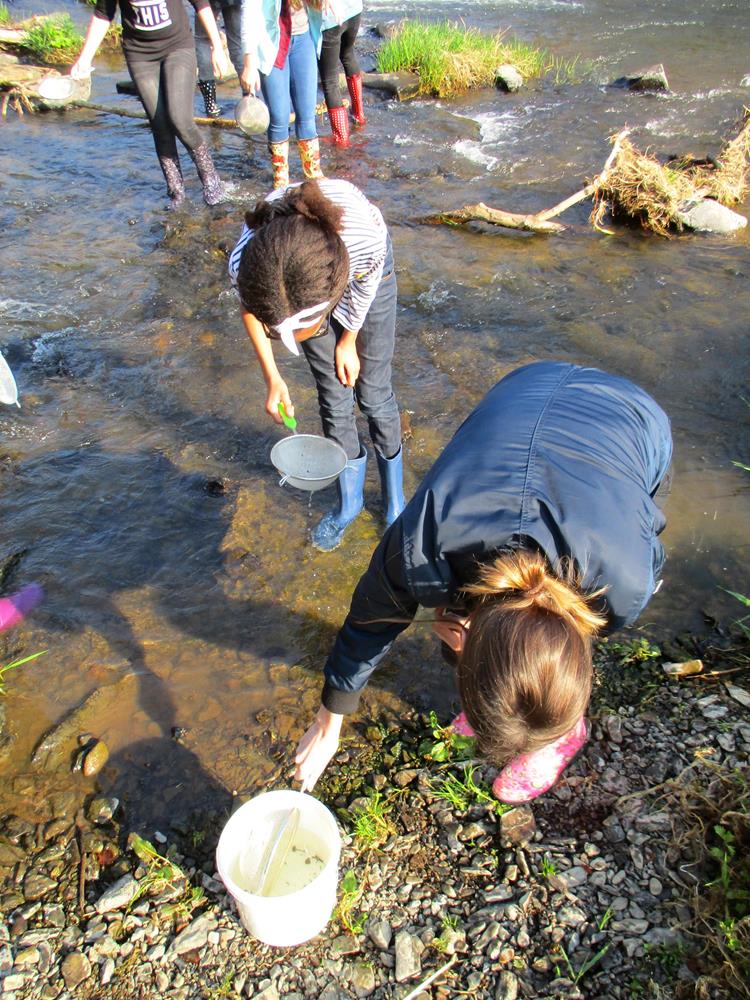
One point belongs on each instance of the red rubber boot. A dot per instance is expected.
(354, 83)
(339, 120)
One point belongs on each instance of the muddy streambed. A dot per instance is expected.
(136, 485)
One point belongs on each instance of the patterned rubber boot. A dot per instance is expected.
(213, 189)
(208, 89)
(339, 120)
(354, 83)
(461, 725)
(14, 609)
(329, 532)
(170, 167)
(309, 154)
(532, 774)
(280, 162)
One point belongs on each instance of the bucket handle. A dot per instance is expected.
(283, 480)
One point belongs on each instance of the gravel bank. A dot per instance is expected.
(588, 893)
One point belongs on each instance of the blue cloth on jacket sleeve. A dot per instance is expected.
(381, 608)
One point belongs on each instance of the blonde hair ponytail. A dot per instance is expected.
(525, 672)
(522, 579)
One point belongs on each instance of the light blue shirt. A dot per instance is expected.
(261, 33)
(337, 11)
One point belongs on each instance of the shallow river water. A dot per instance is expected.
(136, 485)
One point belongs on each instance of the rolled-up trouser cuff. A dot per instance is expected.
(339, 702)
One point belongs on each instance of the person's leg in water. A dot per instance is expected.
(303, 86)
(147, 79)
(275, 88)
(352, 68)
(374, 390)
(232, 15)
(206, 78)
(336, 403)
(170, 112)
(328, 65)
(178, 78)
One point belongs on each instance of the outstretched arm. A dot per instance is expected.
(98, 28)
(219, 60)
(277, 391)
(382, 607)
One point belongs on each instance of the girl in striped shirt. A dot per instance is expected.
(314, 269)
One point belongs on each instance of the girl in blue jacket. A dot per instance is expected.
(537, 528)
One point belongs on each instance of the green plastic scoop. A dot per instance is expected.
(289, 422)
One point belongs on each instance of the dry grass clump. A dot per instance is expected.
(638, 186)
(729, 182)
(716, 831)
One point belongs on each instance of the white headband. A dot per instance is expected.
(304, 318)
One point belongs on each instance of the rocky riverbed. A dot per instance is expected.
(596, 890)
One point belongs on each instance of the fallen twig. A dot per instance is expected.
(483, 213)
(430, 979)
(81, 874)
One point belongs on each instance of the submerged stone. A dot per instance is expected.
(95, 759)
(102, 809)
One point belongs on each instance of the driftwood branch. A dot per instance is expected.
(110, 109)
(482, 213)
(537, 222)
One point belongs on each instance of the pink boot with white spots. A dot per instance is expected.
(534, 773)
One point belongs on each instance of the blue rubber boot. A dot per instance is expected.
(392, 485)
(329, 532)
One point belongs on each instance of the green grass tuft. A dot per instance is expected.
(5, 17)
(17, 663)
(451, 59)
(53, 40)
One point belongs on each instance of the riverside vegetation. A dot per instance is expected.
(451, 59)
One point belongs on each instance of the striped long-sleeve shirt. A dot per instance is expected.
(365, 236)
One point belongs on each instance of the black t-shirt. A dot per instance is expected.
(151, 28)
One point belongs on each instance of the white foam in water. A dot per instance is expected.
(18, 309)
(473, 151)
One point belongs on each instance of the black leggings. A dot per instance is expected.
(338, 46)
(165, 87)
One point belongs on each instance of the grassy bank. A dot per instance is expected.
(451, 59)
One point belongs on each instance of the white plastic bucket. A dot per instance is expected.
(299, 913)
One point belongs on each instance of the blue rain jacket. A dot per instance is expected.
(556, 457)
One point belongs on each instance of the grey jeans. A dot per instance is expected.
(232, 16)
(373, 391)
